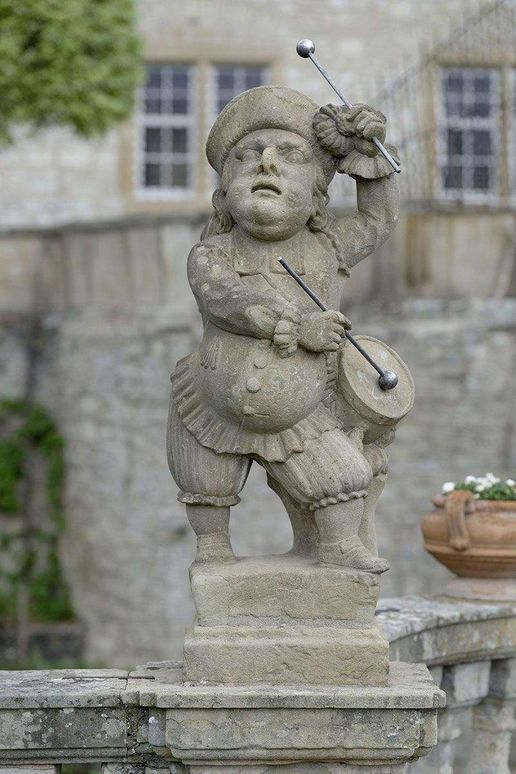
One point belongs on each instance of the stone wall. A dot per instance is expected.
(118, 313)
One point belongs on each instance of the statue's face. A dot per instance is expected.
(270, 177)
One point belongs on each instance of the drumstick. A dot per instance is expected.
(305, 48)
(387, 379)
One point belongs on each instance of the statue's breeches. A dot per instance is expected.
(330, 469)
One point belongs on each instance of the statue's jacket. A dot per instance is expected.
(237, 394)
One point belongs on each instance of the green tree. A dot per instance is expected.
(67, 62)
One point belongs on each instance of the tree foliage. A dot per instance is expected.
(67, 62)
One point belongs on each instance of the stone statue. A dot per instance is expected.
(262, 385)
(273, 380)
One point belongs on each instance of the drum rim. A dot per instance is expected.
(363, 409)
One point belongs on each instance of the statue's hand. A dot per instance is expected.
(323, 331)
(363, 123)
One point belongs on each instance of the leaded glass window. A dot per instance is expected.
(470, 139)
(167, 153)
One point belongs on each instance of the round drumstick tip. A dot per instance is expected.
(305, 47)
(388, 380)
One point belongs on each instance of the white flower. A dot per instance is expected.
(470, 480)
(481, 487)
(448, 486)
(510, 482)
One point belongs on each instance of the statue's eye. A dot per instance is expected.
(248, 154)
(294, 156)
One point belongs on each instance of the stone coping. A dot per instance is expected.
(60, 688)
(443, 630)
(402, 616)
(409, 686)
(159, 685)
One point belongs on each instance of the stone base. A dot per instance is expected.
(488, 589)
(219, 727)
(292, 655)
(284, 620)
(280, 589)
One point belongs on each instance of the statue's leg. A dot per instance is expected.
(211, 526)
(331, 477)
(209, 484)
(367, 531)
(339, 533)
(377, 458)
(304, 528)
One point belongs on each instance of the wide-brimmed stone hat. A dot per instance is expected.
(266, 107)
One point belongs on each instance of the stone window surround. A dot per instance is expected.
(504, 193)
(167, 121)
(466, 130)
(197, 198)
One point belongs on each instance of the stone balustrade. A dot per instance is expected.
(120, 719)
(470, 648)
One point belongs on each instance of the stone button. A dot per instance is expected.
(253, 384)
(260, 360)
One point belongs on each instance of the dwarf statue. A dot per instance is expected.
(263, 385)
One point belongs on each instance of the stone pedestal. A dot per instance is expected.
(254, 729)
(487, 589)
(284, 620)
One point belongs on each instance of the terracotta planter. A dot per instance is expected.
(473, 538)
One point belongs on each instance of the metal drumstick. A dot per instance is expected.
(305, 48)
(387, 379)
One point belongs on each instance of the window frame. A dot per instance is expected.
(189, 121)
(493, 124)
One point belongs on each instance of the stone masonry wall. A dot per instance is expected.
(118, 314)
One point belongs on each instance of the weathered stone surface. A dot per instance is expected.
(281, 588)
(437, 631)
(59, 688)
(35, 769)
(61, 733)
(302, 768)
(409, 686)
(63, 715)
(502, 683)
(488, 589)
(349, 725)
(466, 684)
(493, 726)
(291, 654)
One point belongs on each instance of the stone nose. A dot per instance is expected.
(269, 161)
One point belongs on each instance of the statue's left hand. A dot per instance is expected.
(363, 123)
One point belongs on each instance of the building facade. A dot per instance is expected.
(443, 71)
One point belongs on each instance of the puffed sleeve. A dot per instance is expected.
(378, 204)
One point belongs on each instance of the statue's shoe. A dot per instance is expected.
(352, 553)
(214, 547)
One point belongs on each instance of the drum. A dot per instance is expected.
(361, 400)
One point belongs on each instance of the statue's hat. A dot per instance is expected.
(266, 107)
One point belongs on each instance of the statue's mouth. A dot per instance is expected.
(266, 185)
